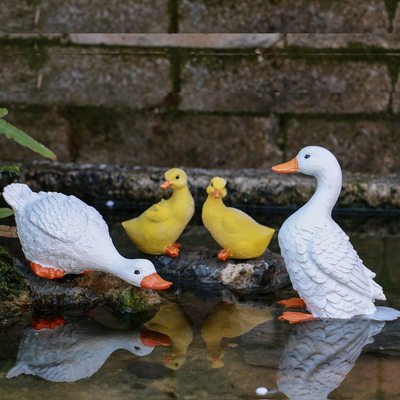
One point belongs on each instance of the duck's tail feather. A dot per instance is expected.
(18, 369)
(378, 291)
(384, 314)
(16, 195)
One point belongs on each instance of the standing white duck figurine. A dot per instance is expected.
(62, 235)
(322, 264)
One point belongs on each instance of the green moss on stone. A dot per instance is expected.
(11, 283)
(130, 302)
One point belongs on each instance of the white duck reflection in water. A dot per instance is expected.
(319, 355)
(229, 321)
(60, 351)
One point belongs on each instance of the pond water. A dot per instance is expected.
(198, 346)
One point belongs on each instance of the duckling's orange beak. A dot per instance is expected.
(217, 193)
(166, 184)
(288, 167)
(153, 339)
(154, 281)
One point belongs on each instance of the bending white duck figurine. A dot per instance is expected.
(77, 349)
(62, 235)
(323, 266)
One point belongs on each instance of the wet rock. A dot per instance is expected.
(85, 292)
(199, 267)
(147, 370)
(136, 185)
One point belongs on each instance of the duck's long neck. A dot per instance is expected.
(326, 195)
(214, 205)
(181, 193)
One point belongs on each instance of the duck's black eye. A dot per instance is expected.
(137, 348)
(137, 272)
(307, 156)
(177, 177)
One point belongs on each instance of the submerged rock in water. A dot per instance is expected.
(199, 267)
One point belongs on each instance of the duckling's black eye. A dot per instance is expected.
(177, 177)
(307, 156)
(137, 272)
(212, 184)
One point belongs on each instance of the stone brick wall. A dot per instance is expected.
(201, 16)
(208, 100)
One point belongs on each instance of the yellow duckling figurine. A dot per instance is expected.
(172, 319)
(156, 230)
(229, 321)
(237, 233)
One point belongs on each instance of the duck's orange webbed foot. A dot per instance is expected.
(223, 255)
(295, 317)
(85, 272)
(172, 251)
(46, 323)
(294, 302)
(46, 272)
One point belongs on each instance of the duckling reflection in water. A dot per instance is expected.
(319, 355)
(171, 321)
(229, 321)
(65, 352)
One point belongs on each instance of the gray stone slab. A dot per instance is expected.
(283, 16)
(256, 187)
(84, 16)
(53, 74)
(277, 84)
(214, 41)
(373, 42)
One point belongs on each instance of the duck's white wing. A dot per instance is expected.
(63, 217)
(336, 260)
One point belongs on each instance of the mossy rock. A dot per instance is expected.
(11, 283)
(131, 307)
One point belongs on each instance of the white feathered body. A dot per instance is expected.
(60, 231)
(325, 269)
(72, 351)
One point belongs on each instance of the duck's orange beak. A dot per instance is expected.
(217, 193)
(166, 184)
(153, 339)
(288, 167)
(154, 281)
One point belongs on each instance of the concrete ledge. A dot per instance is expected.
(247, 187)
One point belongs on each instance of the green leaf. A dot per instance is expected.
(3, 112)
(25, 140)
(6, 212)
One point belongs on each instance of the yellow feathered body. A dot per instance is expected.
(171, 320)
(161, 225)
(234, 230)
(229, 321)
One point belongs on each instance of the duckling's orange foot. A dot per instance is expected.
(46, 323)
(46, 272)
(294, 302)
(177, 245)
(172, 251)
(295, 317)
(223, 255)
